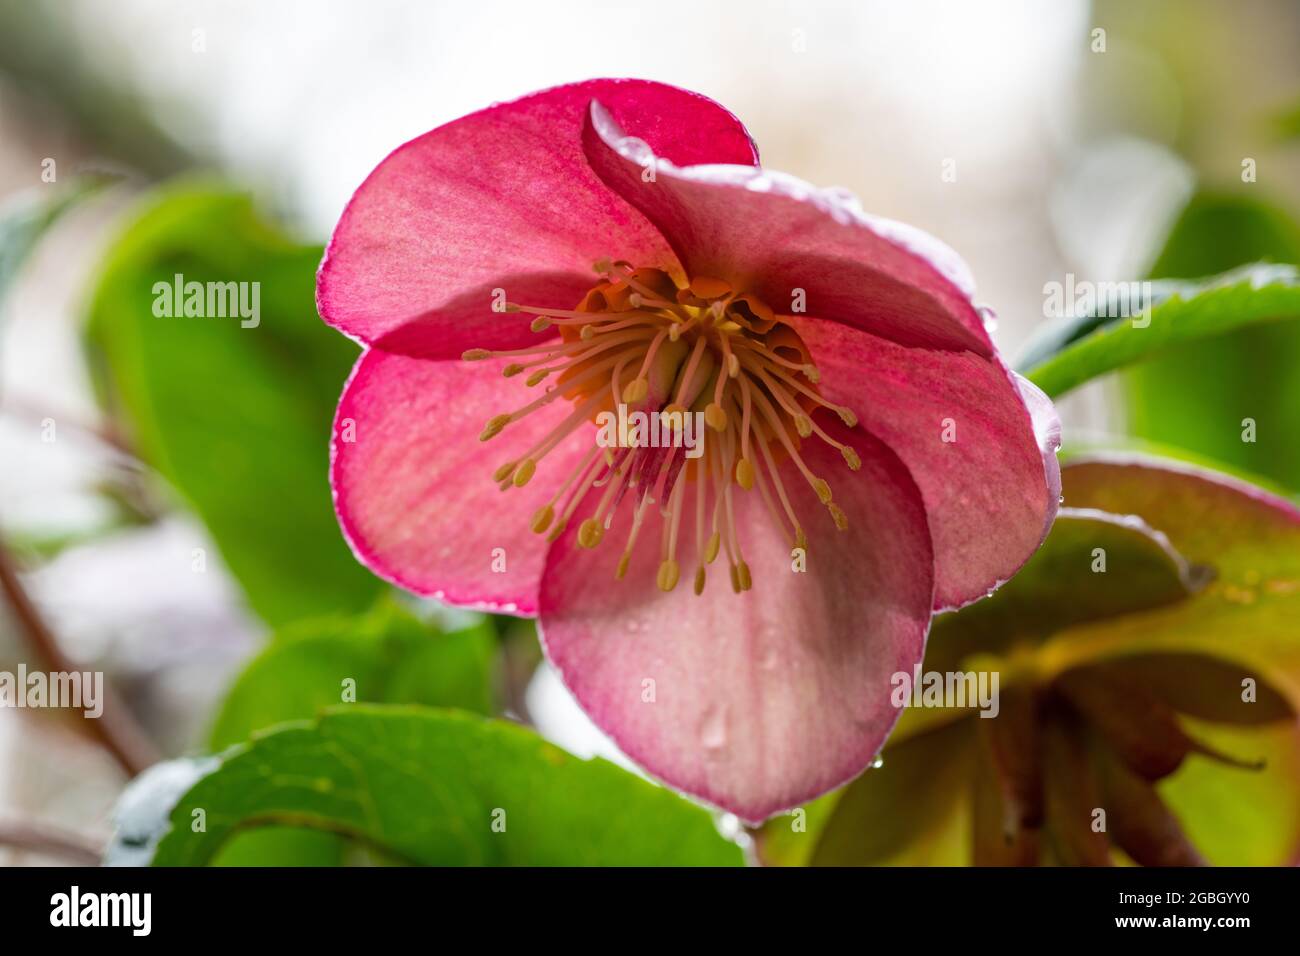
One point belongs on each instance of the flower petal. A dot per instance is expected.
(775, 235)
(503, 198)
(758, 701)
(991, 491)
(414, 491)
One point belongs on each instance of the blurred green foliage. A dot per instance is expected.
(1200, 397)
(237, 419)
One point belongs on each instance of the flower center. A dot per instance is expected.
(639, 341)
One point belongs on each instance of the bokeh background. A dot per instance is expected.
(1070, 156)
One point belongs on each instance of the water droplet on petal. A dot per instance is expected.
(713, 729)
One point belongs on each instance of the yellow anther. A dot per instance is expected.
(823, 490)
(589, 533)
(525, 472)
(493, 427)
(707, 287)
(707, 328)
(542, 519)
(745, 474)
(636, 390)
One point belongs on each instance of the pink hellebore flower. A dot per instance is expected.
(859, 425)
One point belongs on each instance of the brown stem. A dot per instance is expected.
(115, 728)
(49, 841)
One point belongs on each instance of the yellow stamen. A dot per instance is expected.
(711, 549)
(674, 347)
(589, 533)
(823, 490)
(636, 391)
(542, 519)
(525, 473)
(745, 474)
(493, 427)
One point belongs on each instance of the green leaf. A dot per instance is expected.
(237, 419)
(387, 656)
(1182, 313)
(1200, 396)
(427, 786)
(1246, 616)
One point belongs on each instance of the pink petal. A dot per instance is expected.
(414, 491)
(768, 698)
(990, 495)
(503, 198)
(773, 234)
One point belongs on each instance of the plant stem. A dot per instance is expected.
(116, 728)
(48, 841)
